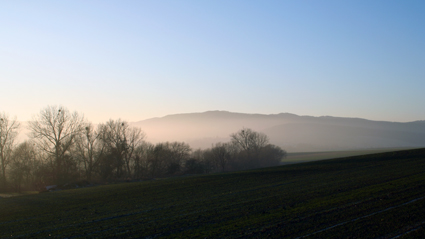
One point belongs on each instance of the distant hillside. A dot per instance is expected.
(291, 132)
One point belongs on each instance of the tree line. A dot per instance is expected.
(63, 147)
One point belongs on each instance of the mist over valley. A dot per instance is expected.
(291, 132)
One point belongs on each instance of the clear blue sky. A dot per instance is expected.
(141, 59)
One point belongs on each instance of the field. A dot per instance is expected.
(313, 156)
(370, 196)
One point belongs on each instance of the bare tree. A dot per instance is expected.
(167, 158)
(158, 158)
(204, 157)
(54, 131)
(221, 155)
(24, 165)
(121, 140)
(271, 155)
(8, 132)
(250, 149)
(89, 149)
(249, 140)
(180, 152)
(141, 159)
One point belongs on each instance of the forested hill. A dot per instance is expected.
(292, 132)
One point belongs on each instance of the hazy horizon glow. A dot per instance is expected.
(141, 59)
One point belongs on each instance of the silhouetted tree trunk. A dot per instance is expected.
(8, 132)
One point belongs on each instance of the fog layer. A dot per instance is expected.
(291, 132)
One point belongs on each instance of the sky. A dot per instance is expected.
(136, 60)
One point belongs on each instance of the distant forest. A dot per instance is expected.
(64, 148)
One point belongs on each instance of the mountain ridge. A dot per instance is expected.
(289, 131)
